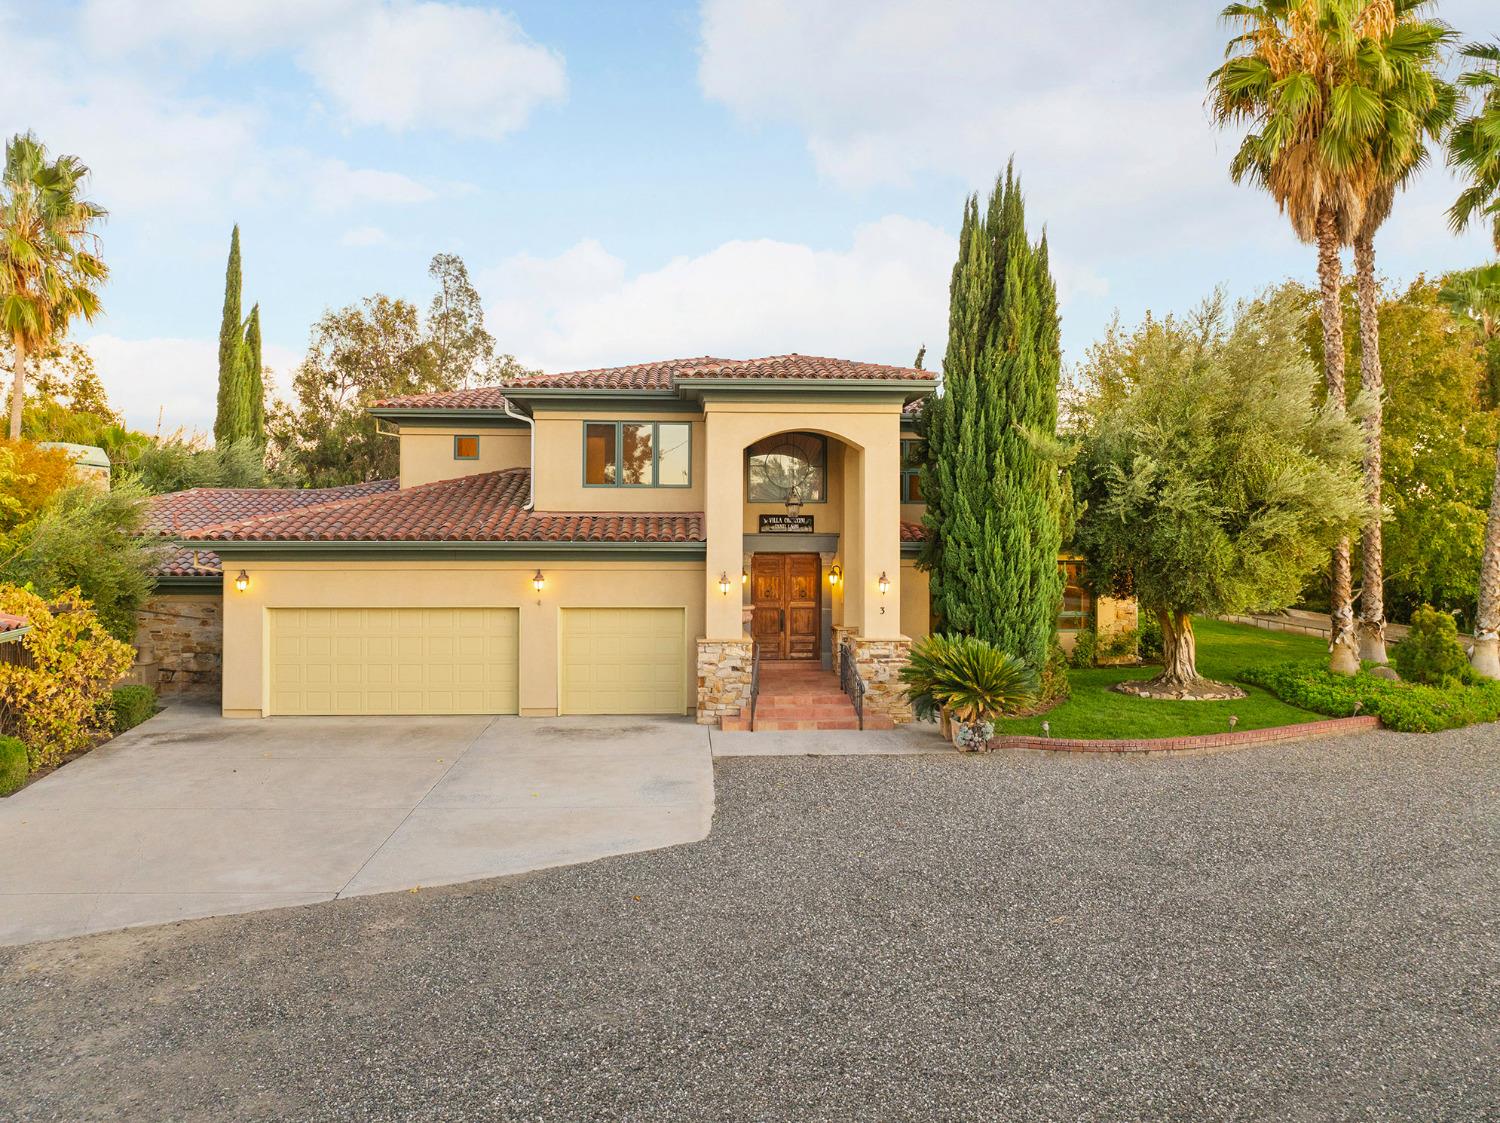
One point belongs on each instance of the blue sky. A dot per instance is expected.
(630, 181)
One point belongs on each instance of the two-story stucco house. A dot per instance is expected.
(610, 541)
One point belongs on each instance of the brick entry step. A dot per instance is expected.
(802, 696)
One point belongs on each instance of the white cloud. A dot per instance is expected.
(364, 236)
(335, 184)
(394, 63)
(877, 300)
(173, 379)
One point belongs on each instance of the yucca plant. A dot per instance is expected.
(971, 679)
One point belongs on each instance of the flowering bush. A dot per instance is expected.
(58, 697)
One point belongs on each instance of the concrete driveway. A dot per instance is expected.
(190, 815)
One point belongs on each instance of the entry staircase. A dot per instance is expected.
(800, 696)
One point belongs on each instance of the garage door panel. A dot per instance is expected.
(393, 661)
(622, 661)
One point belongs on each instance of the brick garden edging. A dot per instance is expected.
(1191, 746)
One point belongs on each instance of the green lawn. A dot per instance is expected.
(1094, 711)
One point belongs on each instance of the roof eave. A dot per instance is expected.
(446, 550)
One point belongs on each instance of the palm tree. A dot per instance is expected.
(1397, 52)
(1293, 73)
(1474, 295)
(1474, 143)
(50, 270)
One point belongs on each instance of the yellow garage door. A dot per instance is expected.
(622, 661)
(393, 661)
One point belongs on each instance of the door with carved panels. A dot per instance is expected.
(785, 591)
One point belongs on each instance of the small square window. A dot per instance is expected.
(465, 448)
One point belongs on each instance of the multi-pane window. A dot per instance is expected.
(785, 464)
(911, 474)
(637, 453)
(1077, 611)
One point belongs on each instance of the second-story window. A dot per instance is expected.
(787, 463)
(911, 474)
(637, 454)
(465, 448)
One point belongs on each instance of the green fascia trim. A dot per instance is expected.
(171, 583)
(438, 418)
(584, 401)
(457, 551)
(910, 549)
(14, 634)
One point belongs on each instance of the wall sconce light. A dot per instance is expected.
(744, 577)
(538, 582)
(724, 582)
(242, 582)
(885, 583)
(793, 502)
(836, 574)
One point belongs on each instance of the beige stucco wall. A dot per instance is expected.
(458, 584)
(559, 465)
(916, 611)
(427, 454)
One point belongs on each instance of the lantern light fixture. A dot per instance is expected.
(885, 583)
(793, 503)
(835, 574)
(724, 582)
(242, 582)
(538, 582)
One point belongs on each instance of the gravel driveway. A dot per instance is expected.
(1290, 933)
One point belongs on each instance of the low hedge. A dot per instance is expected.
(15, 766)
(132, 705)
(1403, 706)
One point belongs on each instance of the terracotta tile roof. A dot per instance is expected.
(913, 532)
(480, 508)
(180, 562)
(12, 623)
(662, 376)
(181, 511)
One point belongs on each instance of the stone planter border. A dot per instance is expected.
(1198, 745)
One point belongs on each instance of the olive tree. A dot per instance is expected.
(1212, 477)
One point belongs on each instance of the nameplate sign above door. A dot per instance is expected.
(786, 524)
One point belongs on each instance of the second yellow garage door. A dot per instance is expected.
(393, 661)
(622, 661)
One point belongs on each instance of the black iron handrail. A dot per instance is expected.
(851, 682)
(754, 679)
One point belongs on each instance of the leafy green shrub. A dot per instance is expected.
(1085, 648)
(15, 766)
(1431, 653)
(132, 705)
(58, 699)
(1403, 706)
(1148, 638)
(1053, 684)
(1122, 645)
(974, 680)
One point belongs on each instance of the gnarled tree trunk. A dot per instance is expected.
(1486, 655)
(1372, 382)
(1179, 649)
(17, 388)
(1344, 657)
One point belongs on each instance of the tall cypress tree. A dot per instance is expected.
(254, 381)
(230, 421)
(995, 501)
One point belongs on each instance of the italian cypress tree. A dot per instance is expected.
(231, 420)
(254, 381)
(995, 500)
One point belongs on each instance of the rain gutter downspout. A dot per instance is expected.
(531, 474)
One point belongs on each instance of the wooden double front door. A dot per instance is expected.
(786, 590)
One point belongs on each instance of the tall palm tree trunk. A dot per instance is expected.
(1486, 655)
(1343, 654)
(1372, 382)
(17, 387)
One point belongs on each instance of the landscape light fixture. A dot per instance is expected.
(885, 583)
(242, 582)
(835, 574)
(724, 582)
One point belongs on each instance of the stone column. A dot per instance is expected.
(723, 679)
(879, 662)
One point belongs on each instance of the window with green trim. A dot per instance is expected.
(466, 447)
(911, 474)
(637, 454)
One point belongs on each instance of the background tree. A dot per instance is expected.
(1474, 142)
(359, 354)
(50, 268)
(463, 350)
(1294, 75)
(1213, 482)
(231, 420)
(254, 382)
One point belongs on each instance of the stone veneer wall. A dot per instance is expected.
(182, 637)
(879, 662)
(841, 632)
(723, 678)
